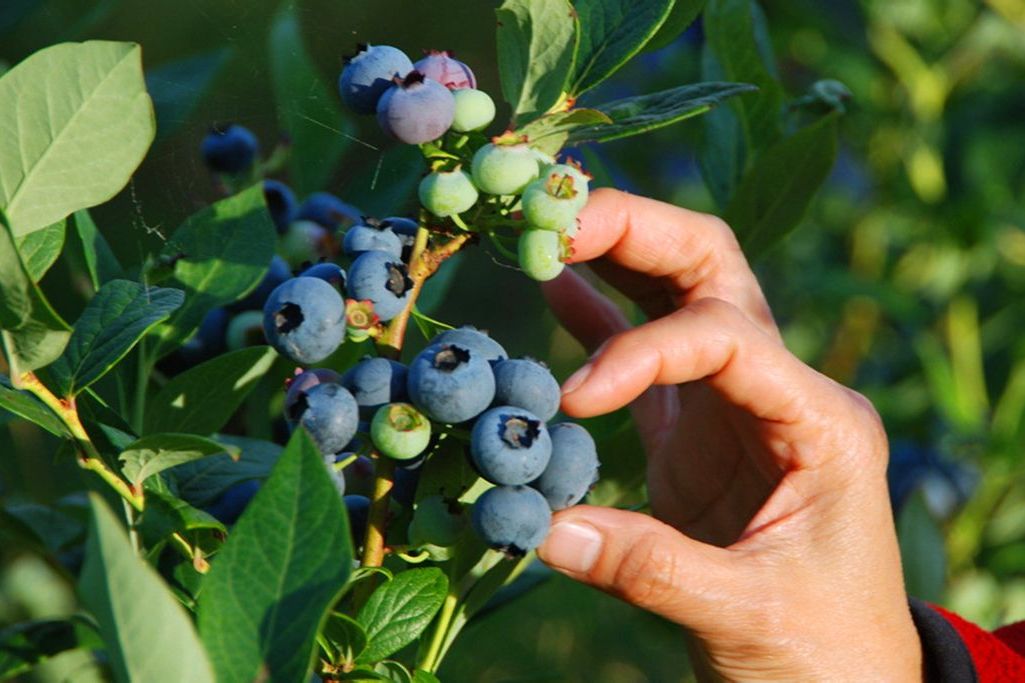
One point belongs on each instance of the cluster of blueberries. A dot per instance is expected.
(463, 376)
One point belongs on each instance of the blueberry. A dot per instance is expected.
(357, 508)
(400, 431)
(553, 201)
(245, 329)
(442, 67)
(230, 505)
(277, 272)
(540, 253)
(416, 110)
(504, 169)
(580, 178)
(445, 193)
(474, 110)
(328, 211)
(281, 203)
(528, 384)
(330, 273)
(369, 74)
(329, 414)
(451, 383)
(229, 149)
(304, 319)
(371, 236)
(572, 469)
(405, 229)
(407, 477)
(359, 475)
(375, 382)
(305, 242)
(381, 278)
(303, 382)
(510, 446)
(436, 522)
(514, 519)
(475, 340)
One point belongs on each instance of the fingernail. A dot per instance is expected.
(576, 379)
(572, 547)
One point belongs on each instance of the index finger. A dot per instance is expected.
(695, 255)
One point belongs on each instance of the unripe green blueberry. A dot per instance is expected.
(551, 203)
(540, 254)
(400, 431)
(304, 241)
(504, 169)
(474, 110)
(580, 179)
(445, 193)
(435, 522)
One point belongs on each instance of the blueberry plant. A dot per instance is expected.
(405, 483)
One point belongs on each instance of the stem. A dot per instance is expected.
(377, 523)
(432, 659)
(141, 380)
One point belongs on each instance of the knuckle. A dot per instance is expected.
(725, 313)
(648, 573)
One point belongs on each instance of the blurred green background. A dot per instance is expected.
(906, 281)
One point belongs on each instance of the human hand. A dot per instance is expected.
(773, 542)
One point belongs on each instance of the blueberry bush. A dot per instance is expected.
(294, 468)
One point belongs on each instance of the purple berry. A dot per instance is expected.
(229, 149)
(303, 382)
(369, 74)
(329, 414)
(330, 273)
(416, 109)
(327, 210)
(441, 66)
(375, 382)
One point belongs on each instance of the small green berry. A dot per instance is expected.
(540, 254)
(474, 110)
(445, 193)
(400, 431)
(504, 169)
(551, 202)
(435, 522)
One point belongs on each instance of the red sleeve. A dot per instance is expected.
(998, 656)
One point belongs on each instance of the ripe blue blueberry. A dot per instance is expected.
(304, 319)
(277, 272)
(281, 203)
(451, 383)
(416, 110)
(329, 414)
(474, 110)
(510, 446)
(445, 193)
(442, 67)
(229, 149)
(405, 229)
(328, 211)
(245, 329)
(303, 382)
(371, 235)
(330, 273)
(369, 74)
(475, 340)
(357, 508)
(230, 505)
(407, 477)
(381, 278)
(375, 382)
(504, 169)
(572, 469)
(514, 519)
(528, 384)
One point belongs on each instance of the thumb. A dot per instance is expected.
(644, 562)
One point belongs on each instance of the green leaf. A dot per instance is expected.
(611, 32)
(272, 582)
(158, 452)
(399, 611)
(346, 637)
(537, 45)
(41, 248)
(24, 404)
(148, 634)
(28, 643)
(100, 261)
(922, 550)
(307, 108)
(77, 124)
(165, 514)
(421, 676)
(54, 529)
(110, 326)
(723, 152)
(640, 114)
(682, 15)
(550, 132)
(731, 35)
(202, 481)
(178, 87)
(775, 193)
(33, 334)
(220, 254)
(201, 399)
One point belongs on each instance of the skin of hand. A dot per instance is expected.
(772, 540)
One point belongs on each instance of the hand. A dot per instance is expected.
(776, 547)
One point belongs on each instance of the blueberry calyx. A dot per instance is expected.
(451, 357)
(399, 281)
(414, 77)
(288, 318)
(296, 410)
(519, 431)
